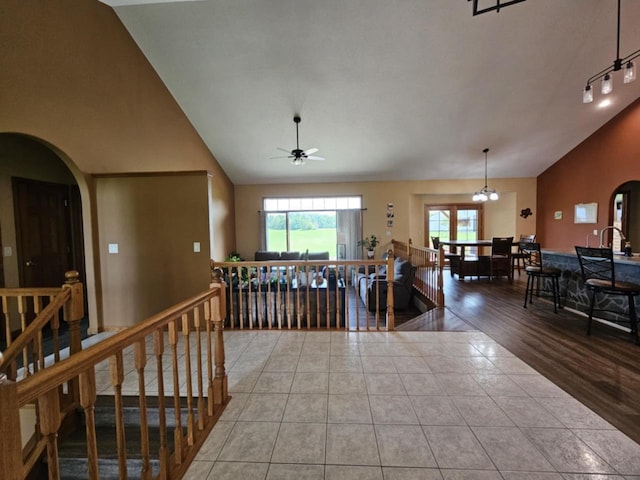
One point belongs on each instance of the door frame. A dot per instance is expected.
(453, 221)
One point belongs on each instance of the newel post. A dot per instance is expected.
(11, 451)
(74, 310)
(390, 270)
(218, 315)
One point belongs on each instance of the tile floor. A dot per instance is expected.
(402, 405)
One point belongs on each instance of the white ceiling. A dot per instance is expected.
(387, 89)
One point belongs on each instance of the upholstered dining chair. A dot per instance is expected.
(599, 277)
(517, 258)
(501, 257)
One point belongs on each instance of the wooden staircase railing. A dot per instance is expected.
(196, 323)
(304, 294)
(428, 278)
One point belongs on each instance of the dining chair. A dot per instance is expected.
(536, 271)
(517, 258)
(598, 274)
(452, 257)
(500, 257)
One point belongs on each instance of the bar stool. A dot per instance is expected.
(532, 259)
(517, 258)
(598, 274)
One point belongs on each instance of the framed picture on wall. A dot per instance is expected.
(585, 213)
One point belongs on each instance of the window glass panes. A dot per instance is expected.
(276, 232)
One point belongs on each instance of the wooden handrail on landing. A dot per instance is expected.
(304, 294)
(192, 322)
(428, 278)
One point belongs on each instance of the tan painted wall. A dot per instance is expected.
(73, 77)
(501, 218)
(154, 220)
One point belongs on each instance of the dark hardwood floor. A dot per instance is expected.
(602, 371)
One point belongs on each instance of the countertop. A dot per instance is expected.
(633, 260)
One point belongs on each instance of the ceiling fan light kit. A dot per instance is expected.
(627, 63)
(485, 192)
(297, 155)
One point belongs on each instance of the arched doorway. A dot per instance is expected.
(41, 231)
(625, 215)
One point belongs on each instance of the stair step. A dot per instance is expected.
(77, 469)
(104, 411)
(72, 449)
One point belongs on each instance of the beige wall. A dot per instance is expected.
(154, 220)
(409, 198)
(73, 77)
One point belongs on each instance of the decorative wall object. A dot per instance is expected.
(585, 213)
(525, 212)
(390, 215)
(557, 215)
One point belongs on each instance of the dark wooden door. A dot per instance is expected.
(44, 232)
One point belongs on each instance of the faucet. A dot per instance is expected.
(610, 227)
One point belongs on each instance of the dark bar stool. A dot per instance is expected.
(532, 259)
(517, 258)
(598, 274)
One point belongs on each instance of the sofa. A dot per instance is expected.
(264, 255)
(368, 284)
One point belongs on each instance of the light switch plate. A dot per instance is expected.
(7, 251)
(113, 248)
(196, 247)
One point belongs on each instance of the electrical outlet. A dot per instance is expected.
(196, 247)
(595, 231)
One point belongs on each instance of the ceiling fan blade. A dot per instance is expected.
(311, 157)
(283, 150)
(311, 151)
(283, 156)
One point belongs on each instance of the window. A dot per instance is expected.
(316, 224)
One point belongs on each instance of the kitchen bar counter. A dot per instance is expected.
(573, 291)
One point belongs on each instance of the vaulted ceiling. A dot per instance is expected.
(387, 89)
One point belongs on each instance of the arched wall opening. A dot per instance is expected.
(29, 160)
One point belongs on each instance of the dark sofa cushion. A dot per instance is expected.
(264, 256)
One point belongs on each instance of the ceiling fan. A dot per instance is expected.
(297, 155)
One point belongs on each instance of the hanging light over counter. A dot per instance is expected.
(606, 85)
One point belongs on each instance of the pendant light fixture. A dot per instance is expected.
(485, 192)
(627, 63)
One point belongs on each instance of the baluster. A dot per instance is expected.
(207, 323)
(116, 377)
(177, 431)
(87, 401)
(11, 451)
(163, 452)
(198, 327)
(390, 277)
(49, 407)
(297, 294)
(187, 363)
(7, 319)
(232, 308)
(22, 313)
(140, 360)
(220, 389)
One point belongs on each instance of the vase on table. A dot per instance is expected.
(370, 253)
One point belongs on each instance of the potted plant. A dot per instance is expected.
(370, 243)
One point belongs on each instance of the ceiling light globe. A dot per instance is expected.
(476, 197)
(629, 72)
(607, 85)
(587, 94)
(483, 197)
(493, 196)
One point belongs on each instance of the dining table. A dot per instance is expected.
(463, 265)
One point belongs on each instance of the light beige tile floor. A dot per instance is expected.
(401, 406)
